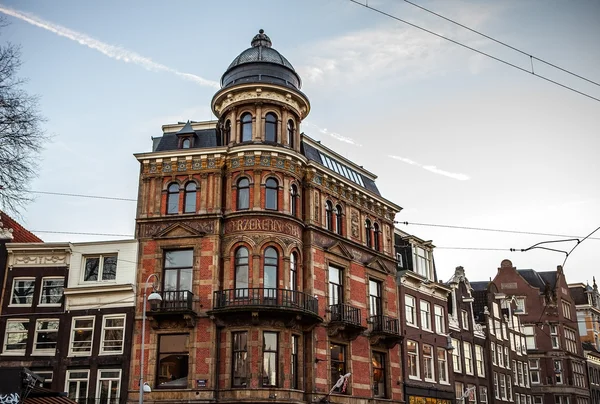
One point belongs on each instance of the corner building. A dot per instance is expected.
(274, 255)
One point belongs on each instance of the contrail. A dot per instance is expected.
(114, 52)
(433, 169)
(334, 135)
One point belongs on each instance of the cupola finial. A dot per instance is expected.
(261, 39)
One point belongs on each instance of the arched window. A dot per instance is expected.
(227, 137)
(246, 120)
(376, 236)
(186, 144)
(291, 129)
(271, 191)
(271, 127)
(243, 194)
(270, 273)
(294, 200)
(369, 239)
(338, 219)
(328, 215)
(241, 272)
(293, 271)
(173, 199)
(190, 198)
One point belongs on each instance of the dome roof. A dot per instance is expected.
(261, 63)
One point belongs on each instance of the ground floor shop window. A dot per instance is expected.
(173, 357)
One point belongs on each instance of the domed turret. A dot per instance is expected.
(261, 64)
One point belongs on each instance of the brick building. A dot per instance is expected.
(428, 376)
(592, 358)
(274, 255)
(587, 305)
(556, 363)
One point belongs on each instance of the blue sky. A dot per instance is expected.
(455, 138)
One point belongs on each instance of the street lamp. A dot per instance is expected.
(154, 297)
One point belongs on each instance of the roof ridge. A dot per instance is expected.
(19, 233)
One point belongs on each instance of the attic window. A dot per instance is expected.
(186, 143)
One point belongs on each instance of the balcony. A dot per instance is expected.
(385, 330)
(345, 321)
(289, 306)
(176, 305)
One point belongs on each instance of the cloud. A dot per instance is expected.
(334, 135)
(433, 169)
(114, 52)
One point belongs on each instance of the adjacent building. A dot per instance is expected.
(592, 357)
(587, 305)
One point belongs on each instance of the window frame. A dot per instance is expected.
(464, 316)
(339, 222)
(368, 236)
(413, 312)
(291, 130)
(173, 191)
(339, 365)
(12, 293)
(270, 270)
(428, 358)
(336, 290)
(36, 333)
(439, 319)
(267, 354)
(191, 194)
(467, 349)
(159, 368)
(43, 287)
(554, 336)
(379, 366)
(101, 263)
(78, 381)
(328, 215)
(376, 237)
(100, 379)
(479, 361)
(74, 331)
(178, 270)
(294, 200)
(7, 332)
(375, 300)
(271, 193)
(442, 362)
(241, 262)
(103, 350)
(239, 346)
(246, 127)
(412, 361)
(483, 394)
(246, 190)
(271, 121)
(294, 365)
(425, 314)
(456, 356)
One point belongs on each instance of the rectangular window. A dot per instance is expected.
(440, 323)
(479, 361)
(399, 260)
(520, 381)
(566, 307)
(77, 385)
(82, 335)
(52, 291)
(425, 315)
(338, 365)
(579, 374)
(178, 275)
(412, 348)
(442, 365)
(534, 373)
(520, 304)
(570, 340)
(410, 308)
(294, 367)
(379, 375)
(15, 337)
(468, 358)
(496, 386)
(506, 357)
(113, 334)
(173, 355)
(500, 355)
(428, 372)
(47, 376)
(502, 378)
(46, 335)
(471, 395)
(422, 262)
(100, 268)
(509, 386)
(459, 389)
(109, 386)
(538, 399)
(465, 319)
(483, 394)
(491, 326)
(239, 367)
(493, 349)
(456, 361)
(375, 298)
(335, 286)
(558, 371)
(524, 346)
(554, 338)
(22, 292)
(270, 359)
(526, 374)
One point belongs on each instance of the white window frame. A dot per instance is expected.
(110, 382)
(425, 314)
(534, 369)
(483, 394)
(558, 375)
(47, 351)
(496, 386)
(509, 388)
(554, 337)
(15, 352)
(411, 298)
(418, 259)
(456, 356)
(12, 292)
(506, 358)
(494, 357)
(78, 381)
(502, 378)
(468, 354)
(500, 354)
(538, 400)
(103, 350)
(417, 361)
(479, 361)
(464, 316)
(51, 278)
(445, 364)
(432, 363)
(101, 258)
(73, 332)
(439, 319)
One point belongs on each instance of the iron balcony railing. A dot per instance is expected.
(174, 300)
(345, 313)
(385, 324)
(265, 297)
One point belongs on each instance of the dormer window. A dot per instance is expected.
(271, 127)
(422, 262)
(186, 143)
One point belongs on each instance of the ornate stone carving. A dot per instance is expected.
(354, 223)
(40, 260)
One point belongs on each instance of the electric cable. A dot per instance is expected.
(81, 233)
(79, 195)
(475, 50)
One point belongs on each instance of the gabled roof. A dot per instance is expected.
(19, 233)
(533, 278)
(549, 277)
(480, 285)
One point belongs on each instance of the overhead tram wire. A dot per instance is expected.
(80, 195)
(82, 233)
(475, 50)
(502, 43)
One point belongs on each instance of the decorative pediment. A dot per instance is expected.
(377, 264)
(340, 249)
(178, 230)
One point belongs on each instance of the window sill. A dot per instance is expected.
(110, 353)
(428, 330)
(13, 353)
(430, 380)
(49, 305)
(414, 377)
(445, 383)
(39, 353)
(72, 355)
(19, 305)
(412, 325)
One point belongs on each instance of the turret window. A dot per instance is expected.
(190, 198)
(376, 236)
(186, 143)
(368, 238)
(328, 215)
(246, 121)
(339, 219)
(294, 200)
(271, 127)
(271, 193)
(227, 133)
(243, 194)
(270, 272)
(173, 199)
(241, 272)
(291, 129)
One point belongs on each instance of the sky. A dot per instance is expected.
(456, 138)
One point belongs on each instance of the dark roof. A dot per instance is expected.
(313, 154)
(19, 233)
(204, 138)
(480, 285)
(187, 129)
(578, 294)
(549, 277)
(532, 277)
(588, 346)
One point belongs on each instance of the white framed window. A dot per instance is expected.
(538, 399)
(468, 353)
(442, 366)
(493, 348)
(558, 371)
(504, 331)
(459, 389)
(412, 348)
(520, 300)
(566, 307)
(82, 336)
(15, 336)
(520, 382)
(440, 323)
(524, 345)
(498, 329)
(526, 374)
(46, 336)
(554, 338)
(534, 372)
(456, 360)
(529, 332)
(496, 386)
(509, 387)
(22, 292)
(464, 319)
(483, 394)
(579, 374)
(472, 395)
(425, 315)
(100, 268)
(491, 326)
(502, 378)
(109, 386)
(76, 385)
(52, 291)
(399, 260)
(570, 340)
(410, 308)
(500, 355)
(479, 361)
(113, 334)
(506, 357)
(422, 262)
(518, 399)
(428, 369)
